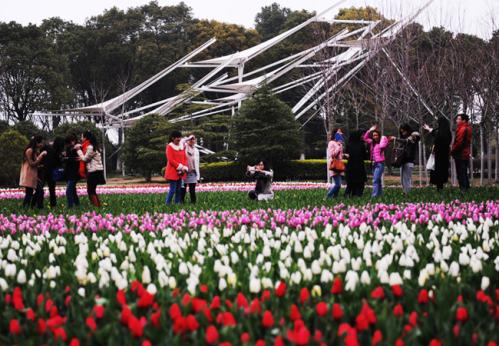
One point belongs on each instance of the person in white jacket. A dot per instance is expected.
(193, 176)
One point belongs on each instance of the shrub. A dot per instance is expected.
(12, 144)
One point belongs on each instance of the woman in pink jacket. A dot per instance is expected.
(377, 144)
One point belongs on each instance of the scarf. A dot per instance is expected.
(83, 165)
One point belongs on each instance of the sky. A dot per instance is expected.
(478, 17)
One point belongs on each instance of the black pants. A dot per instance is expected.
(40, 193)
(28, 197)
(354, 190)
(462, 173)
(91, 188)
(192, 192)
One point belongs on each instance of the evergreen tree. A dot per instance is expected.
(265, 129)
(145, 145)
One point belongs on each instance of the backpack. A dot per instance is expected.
(399, 155)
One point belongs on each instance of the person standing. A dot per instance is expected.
(29, 169)
(71, 167)
(335, 152)
(355, 173)
(176, 167)
(193, 175)
(407, 150)
(47, 173)
(92, 159)
(461, 150)
(442, 138)
(377, 144)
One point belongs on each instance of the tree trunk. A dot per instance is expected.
(489, 158)
(496, 130)
(482, 153)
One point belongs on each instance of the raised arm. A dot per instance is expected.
(367, 137)
(384, 142)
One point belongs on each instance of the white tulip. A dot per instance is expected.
(3, 284)
(21, 277)
(316, 291)
(10, 270)
(351, 280)
(475, 264)
(395, 279)
(81, 292)
(12, 256)
(255, 285)
(365, 279)
(172, 283)
(146, 275)
(222, 284)
(454, 269)
(485, 283)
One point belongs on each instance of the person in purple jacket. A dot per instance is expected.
(377, 144)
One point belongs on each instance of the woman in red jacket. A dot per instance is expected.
(176, 167)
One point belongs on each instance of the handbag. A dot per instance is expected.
(58, 174)
(430, 164)
(337, 165)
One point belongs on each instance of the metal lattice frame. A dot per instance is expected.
(360, 45)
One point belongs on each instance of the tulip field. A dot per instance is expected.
(421, 269)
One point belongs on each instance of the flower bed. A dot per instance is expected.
(163, 189)
(422, 273)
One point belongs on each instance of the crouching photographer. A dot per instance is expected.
(263, 176)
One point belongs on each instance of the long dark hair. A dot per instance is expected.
(58, 145)
(91, 138)
(407, 128)
(33, 142)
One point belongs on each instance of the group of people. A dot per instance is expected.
(46, 163)
(371, 146)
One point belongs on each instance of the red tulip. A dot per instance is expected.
(245, 337)
(268, 319)
(321, 309)
(435, 342)
(398, 310)
(145, 300)
(462, 314)
(294, 313)
(423, 296)
(41, 326)
(377, 337)
(278, 341)
(14, 327)
(281, 289)
(60, 333)
(17, 299)
(241, 301)
(99, 311)
(30, 314)
(120, 297)
(337, 311)
(211, 335)
(156, 318)
(337, 287)
(397, 291)
(304, 295)
(175, 311)
(215, 303)
(378, 293)
(361, 322)
(192, 323)
(413, 318)
(74, 342)
(90, 322)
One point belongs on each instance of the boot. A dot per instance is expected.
(99, 204)
(94, 200)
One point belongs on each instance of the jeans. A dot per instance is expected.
(335, 189)
(192, 192)
(174, 190)
(378, 169)
(462, 173)
(71, 194)
(406, 176)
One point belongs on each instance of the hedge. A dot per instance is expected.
(294, 170)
